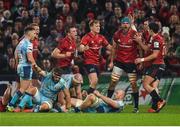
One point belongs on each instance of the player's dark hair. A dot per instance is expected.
(57, 71)
(68, 27)
(154, 27)
(28, 28)
(33, 25)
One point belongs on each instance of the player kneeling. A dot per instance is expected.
(51, 85)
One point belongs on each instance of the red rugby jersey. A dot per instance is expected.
(95, 43)
(126, 51)
(158, 44)
(35, 43)
(146, 37)
(66, 45)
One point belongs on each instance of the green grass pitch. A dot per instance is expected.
(169, 116)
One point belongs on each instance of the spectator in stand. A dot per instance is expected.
(173, 21)
(36, 19)
(45, 22)
(65, 12)
(12, 66)
(76, 12)
(35, 11)
(82, 30)
(1, 5)
(18, 26)
(15, 40)
(108, 12)
(25, 17)
(51, 40)
(59, 25)
(46, 65)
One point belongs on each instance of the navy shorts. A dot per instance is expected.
(91, 68)
(25, 72)
(127, 67)
(155, 71)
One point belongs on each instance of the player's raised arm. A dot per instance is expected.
(67, 98)
(38, 70)
(57, 54)
(139, 40)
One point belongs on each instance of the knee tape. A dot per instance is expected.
(132, 77)
(116, 73)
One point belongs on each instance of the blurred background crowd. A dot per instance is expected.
(53, 15)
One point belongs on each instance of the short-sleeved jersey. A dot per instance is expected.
(24, 47)
(49, 88)
(68, 78)
(95, 43)
(158, 44)
(66, 45)
(126, 50)
(35, 48)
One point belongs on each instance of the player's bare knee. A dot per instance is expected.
(32, 90)
(114, 78)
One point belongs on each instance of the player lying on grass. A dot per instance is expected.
(97, 102)
(51, 84)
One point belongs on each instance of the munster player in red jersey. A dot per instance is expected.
(155, 71)
(123, 56)
(35, 42)
(91, 45)
(66, 50)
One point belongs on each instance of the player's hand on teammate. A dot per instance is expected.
(97, 93)
(139, 60)
(86, 47)
(110, 66)
(140, 66)
(68, 54)
(137, 37)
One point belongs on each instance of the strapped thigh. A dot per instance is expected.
(132, 77)
(116, 73)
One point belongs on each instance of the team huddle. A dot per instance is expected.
(60, 89)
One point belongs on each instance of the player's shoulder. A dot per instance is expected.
(87, 35)
(101, 36)
(158, 38)
(117, 32)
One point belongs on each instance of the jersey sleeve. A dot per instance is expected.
(105, 42)
(61, 85)
(156, 45)
(115, 36)
(29, 47)
(61, 45)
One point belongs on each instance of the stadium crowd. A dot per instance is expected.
(59, 19)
